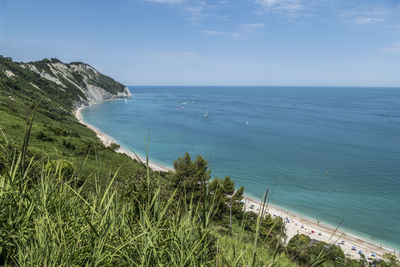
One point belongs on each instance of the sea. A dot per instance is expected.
(328, 153)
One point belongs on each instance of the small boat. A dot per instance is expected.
(205, 115)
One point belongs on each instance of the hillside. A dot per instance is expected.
(59, 88)
(71, 83)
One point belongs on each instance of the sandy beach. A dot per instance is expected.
(108, 140)
(294, 223)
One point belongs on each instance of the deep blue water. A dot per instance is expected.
(327, 153)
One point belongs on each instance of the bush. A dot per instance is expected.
(68, 145)
(44, 137)
(63, 167)
(113, 147)
(306, 251)
(297, 248)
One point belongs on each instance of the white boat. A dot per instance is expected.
(205, 115)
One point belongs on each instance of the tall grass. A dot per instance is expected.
(48, 219)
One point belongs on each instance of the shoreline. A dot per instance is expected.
(108, 140)
(300, 224)
(295, 224)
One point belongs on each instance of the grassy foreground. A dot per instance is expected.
(49, 218)
(46, 218)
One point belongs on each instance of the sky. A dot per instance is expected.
(219, 42)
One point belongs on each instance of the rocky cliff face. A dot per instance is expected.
(94, 86)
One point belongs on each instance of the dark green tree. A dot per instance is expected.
(190, 177)
(272, 229)
(226, 201)
(308, 252)
(297, 248)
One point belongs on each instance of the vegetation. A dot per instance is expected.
(66, 199)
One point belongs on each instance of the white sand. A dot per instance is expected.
(298, 224)
(108, 140)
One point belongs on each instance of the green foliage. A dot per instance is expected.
(56, 133)
(388, 260)
(237, 250)
(113, 147)
(42, 66)
(312, 252)
(44, 137)
(45, 219)
(189, 177)
(65, 167)
(297, 248)
(192, 177)
(226, 200)
(271, 228)
(68, 145)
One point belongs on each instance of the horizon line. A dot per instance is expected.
(325, 86)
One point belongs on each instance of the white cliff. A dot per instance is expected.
(95, 86)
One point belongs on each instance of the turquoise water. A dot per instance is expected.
(327, 153)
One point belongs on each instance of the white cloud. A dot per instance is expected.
(213, 32)
(241, 30)
(166, 1)
(220, 33)
(196, 10)
(281, 5)
(366, 15)
(251, 25)
(367, 20)
(394, 48)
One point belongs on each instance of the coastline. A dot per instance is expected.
(299, 224)
(108, 140)
(296, 223)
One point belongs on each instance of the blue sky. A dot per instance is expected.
(220, 42)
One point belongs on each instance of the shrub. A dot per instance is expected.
(44, 137)
(68, 145)
(113, 147)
